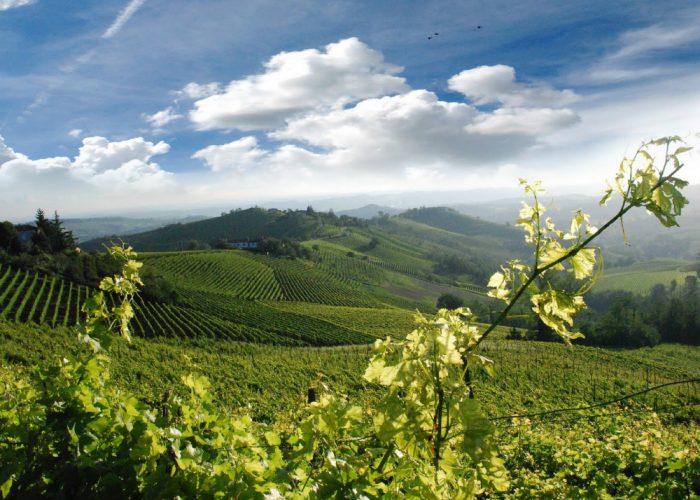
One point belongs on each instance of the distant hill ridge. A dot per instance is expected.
(371, 211)
(252, 223)
(255, 223)
(450, 219)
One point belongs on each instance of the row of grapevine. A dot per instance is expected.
(30, 296)
(230, 272)
(471, 287)
(302, 281)
(260, 277)
(314, 286)
(396, 267)
(372, 321)
(352, 271)
(388, 254)
(34, 297)
(529, 376)
(335, 278)
(287, 327)
(397, 245)
(526, 372)
(154, 319)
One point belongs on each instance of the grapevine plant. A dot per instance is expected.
(69, 431)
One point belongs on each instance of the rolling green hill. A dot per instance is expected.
(249, 224)
(220, 293)
(451, 220)
(403, 261)
(640, 277)
(415, 243)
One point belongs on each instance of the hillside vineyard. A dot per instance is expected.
(313, 362)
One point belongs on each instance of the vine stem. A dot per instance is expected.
(385, 458)
(580, 246)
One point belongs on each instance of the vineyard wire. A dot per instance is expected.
(597, 405)
(580, 417)
(601, 415)
(660, 409)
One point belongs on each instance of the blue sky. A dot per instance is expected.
(153, 104)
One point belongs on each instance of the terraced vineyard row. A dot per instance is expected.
(371, 321)
(35, 297)
(477, 289)
(288, 327)
(229, 272)
(154, 319)
(397, 268)
(38, 298)
(316, 287)
(303, 282)
(352, 271)
(255, 277)
(28, 296)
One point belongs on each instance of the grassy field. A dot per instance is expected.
(640, 277)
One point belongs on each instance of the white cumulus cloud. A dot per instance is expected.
(6, 152)
(523, 121)
(491, 84)
(11, 4)
(103, 176)
(198, 91)
(101, 163)
(418, 130)
(343, 108)
(298, 82)
(237, 155)
(161, 118)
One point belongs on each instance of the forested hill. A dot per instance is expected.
(302, 225)
(249, 224)
(451, 220)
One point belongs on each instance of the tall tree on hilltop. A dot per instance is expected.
(50, 236)
(61, 239)
(41, 239)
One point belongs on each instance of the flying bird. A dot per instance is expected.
(430, 37)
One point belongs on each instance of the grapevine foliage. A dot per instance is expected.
(71, 432)
(644, 180)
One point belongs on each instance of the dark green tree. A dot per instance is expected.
(61, 239)
(449, 301)
(41, 239)
(9, 239)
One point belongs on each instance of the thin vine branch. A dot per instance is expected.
(538, 271)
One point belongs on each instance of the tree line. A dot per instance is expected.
(615, 318)
(48, 247)
(46, 236)
(625, 319)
